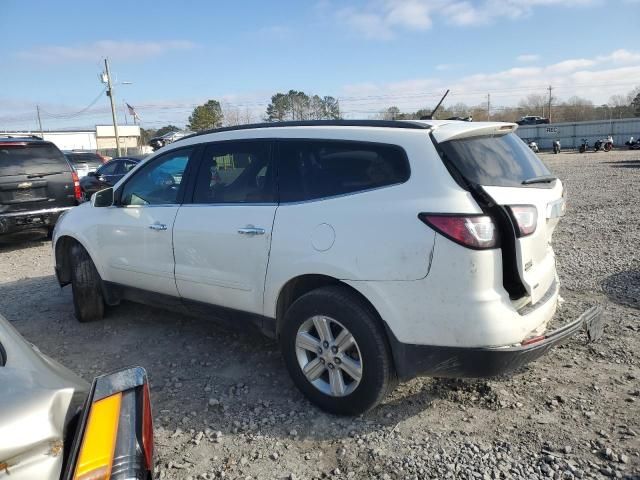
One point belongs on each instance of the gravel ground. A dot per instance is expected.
(225, 407)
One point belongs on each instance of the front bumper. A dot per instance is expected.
(28, 220)
(438, 361)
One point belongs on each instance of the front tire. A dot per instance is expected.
(336, 351)
(86, 285)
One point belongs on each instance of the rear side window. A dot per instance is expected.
(503, 161)
(311, 169)
(31, 159)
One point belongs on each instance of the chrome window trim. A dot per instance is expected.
(149, 206)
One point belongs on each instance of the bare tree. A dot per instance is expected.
(533, 104)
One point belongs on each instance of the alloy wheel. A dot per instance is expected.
(329, 356)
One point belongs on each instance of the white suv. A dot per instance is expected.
(372, 250)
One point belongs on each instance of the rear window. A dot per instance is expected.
(31, 160)
(311, 169)
(76, 158)
(504, 161)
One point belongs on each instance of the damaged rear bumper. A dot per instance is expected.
(440, 361)
(28, 220)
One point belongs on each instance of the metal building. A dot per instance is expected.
(102, 139)
(571, 134)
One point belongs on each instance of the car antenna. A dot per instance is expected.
(430, 116)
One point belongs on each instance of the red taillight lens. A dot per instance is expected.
(526, 218)
(147, 427)
(13, 144)
(472, 231)
(77, 191)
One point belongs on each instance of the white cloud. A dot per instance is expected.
(620, 56)
(595, 78)
(528, 58)
(568, 66)
(368, 24)
(382, 19)
(115, 49)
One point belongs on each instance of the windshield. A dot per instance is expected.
(503, 161)
(31, 159)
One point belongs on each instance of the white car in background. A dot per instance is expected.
(372, 250)
(167, 138)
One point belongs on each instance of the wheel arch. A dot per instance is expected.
(63, 258)
(302, 284)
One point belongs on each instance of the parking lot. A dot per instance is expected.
(225, 406)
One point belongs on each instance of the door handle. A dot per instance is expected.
(158, 226)
(251, 230)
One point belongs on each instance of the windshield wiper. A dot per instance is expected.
(540, 179)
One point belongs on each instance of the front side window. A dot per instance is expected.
(157, 183)
(109, 169)
(311, 169)
(236, 172)
(127, 166)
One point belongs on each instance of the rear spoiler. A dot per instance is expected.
(460, 130)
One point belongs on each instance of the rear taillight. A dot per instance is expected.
(13, 144)
(95, 460)
(77, 191)
(526, 218)
(472, 231)
(147, 427)
(114, 439)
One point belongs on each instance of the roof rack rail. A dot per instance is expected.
(11, 135)
(317, 123)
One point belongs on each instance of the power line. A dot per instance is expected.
(65, 116)
(365, 104)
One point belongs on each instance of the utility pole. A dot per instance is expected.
(39, 122)
(113, 106)
(488, 107)
(550, 88)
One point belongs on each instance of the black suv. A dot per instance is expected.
(532, 120)
(37, 184)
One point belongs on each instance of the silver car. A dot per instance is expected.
(55, 425)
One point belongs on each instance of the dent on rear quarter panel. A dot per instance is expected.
(38, 397)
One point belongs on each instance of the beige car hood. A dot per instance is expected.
(38, 398)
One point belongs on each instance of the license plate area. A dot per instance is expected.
(24, 195)
(34, 220)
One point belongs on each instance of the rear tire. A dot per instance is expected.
(368, 356)
(86, 285)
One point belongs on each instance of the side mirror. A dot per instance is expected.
(103, 198)
(92, 174)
